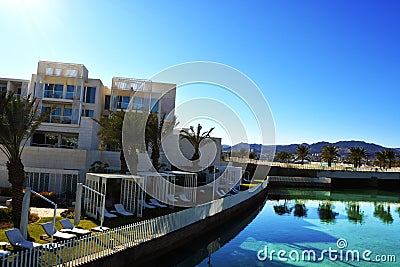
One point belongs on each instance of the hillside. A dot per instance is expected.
(315, 148)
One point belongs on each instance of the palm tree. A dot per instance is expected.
(381, 159)
(357, 154)
(110, 134)
(195, 138)
(18, 122)
(329, 153)
(390, 156)
(156, 128)
(302, 152)
(284, 156)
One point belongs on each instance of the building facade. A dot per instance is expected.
(61, 151)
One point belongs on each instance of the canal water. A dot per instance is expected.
(306, 227)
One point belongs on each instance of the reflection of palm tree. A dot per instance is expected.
(300, 209)
(354, 214)
(398, 210)
(382, 214)
(282, 209)
(325, 212)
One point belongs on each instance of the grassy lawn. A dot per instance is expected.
(35, 230)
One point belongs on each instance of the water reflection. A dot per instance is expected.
(301, 219)
(354, 213)
(300, 209)
(326, 213)
(282, 209)
(382, 211)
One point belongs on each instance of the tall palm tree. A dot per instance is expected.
(18, 122)
(302, 152)
(156, 129)
(284, 156)
(381, 159)
(195, 138)
(357, 154)
(110, 134)
(329, 153)
(390, 156)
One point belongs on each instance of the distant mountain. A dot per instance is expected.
(314, 148)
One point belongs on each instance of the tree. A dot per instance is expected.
(380, 159)
(329, 153)
(390, 156)
(110, 134)
(195, 138)
(284, 156)
(156, 129)
(357, 154)
(302, 152)
(18, 122)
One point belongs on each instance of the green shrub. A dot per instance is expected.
(67, 214)
(5, 191)
(5, 215)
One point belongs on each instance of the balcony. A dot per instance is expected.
(58, 95)
(59, 119)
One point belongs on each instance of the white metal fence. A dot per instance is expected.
(315, 166)
(86, 249)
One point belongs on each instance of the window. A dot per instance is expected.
(90, 95)
(45, 139)
(69, 141)
(70, 92)
(123, 102)
(87, 113)
(51, 140)
(107, 102)
(67, 112)
(53, 90)
(154, 106)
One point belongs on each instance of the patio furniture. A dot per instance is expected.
(184, 198)
(106, 213)
(70, 228)
(156, 203)
(147, 206)
(172, 198)
(121, 210)
(17, 240)
(49, 229)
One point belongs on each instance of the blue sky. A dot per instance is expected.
(328, 69)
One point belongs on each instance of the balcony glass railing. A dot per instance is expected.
(52, 94)
(59, 119)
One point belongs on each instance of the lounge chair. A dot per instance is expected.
(17, 240)
(70, 228)
(224, 193)
(184, 198)
(145, 205)
(171, 198)
(106, 213)
(121, 210)
(219, 193)
(156, 203)
(4, 253)
(48, 228)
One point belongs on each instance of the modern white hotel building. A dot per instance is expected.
(61, 151)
